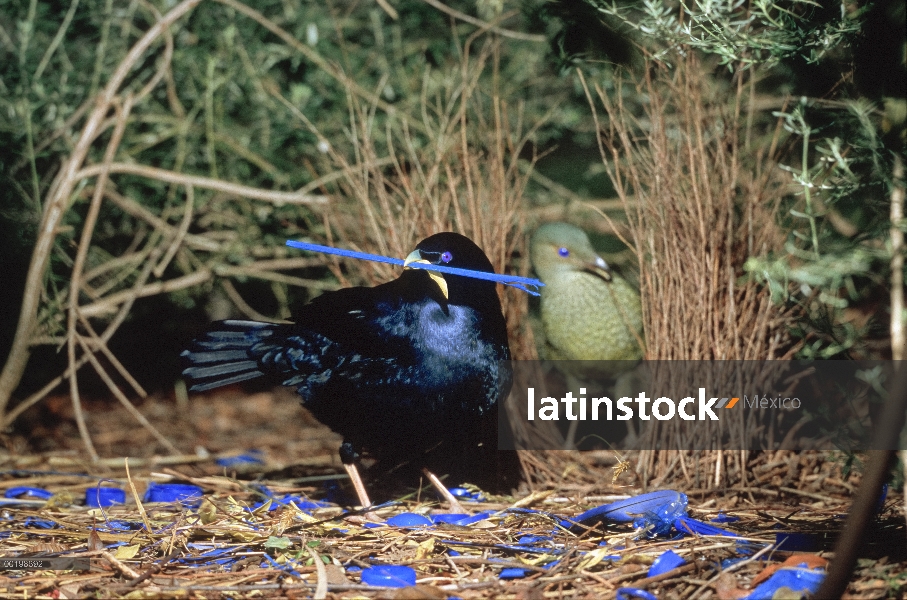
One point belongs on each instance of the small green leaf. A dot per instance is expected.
(281, 543)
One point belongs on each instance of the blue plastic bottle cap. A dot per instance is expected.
(389, 576)
(512, 573)
(97, 497)
(27, 492)
(409, 520)
(667, 561)
(172, 492)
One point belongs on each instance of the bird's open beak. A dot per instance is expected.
(416, 257)
(599, 267)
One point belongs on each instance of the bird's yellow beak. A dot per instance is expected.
(416, 257)
(600, 267)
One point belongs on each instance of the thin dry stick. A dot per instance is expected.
(218, 185)
(79, 265)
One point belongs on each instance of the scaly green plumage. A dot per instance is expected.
(588, 312)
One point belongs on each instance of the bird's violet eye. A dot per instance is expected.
(446, 257)
(563, 252)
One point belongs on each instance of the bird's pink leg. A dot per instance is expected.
(455, 506)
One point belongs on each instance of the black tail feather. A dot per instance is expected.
(223, 356)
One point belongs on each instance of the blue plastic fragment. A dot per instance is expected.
(627, 593)
(211, 553)
(512, 573)
(723, 518)
(252, 457)
(452, 552)
(286, 567)
(409, 520)
(800, 581)
(98, 497)
(117, 525)
(373, 525)
(40, 523)
(797, 542)
(354, 569)
(666, 562)
(389, 576)
(275, 502)
(25, 492)
(474, 518)
(691, 525)
(303, 504)
(663, 502)
(528, 540)
(464, 494)
(173, 492)
(659, 522)
(454, 518)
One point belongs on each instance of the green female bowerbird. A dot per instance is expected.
(589, 312)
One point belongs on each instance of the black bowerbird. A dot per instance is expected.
(409, 371)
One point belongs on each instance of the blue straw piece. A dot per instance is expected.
(511, 280)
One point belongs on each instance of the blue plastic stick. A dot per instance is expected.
(511, 280)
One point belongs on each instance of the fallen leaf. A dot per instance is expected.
(126, 552)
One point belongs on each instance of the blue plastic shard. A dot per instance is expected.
(660, 521)
(26, 492)
(630, 509)
(723, 518)
(474, 518)
(40, 523)
(668, 561)
(799, 582)
(464, 494)
(252, 457)
(631, 593)
(694, 526)
(448, 517)
(528, 540)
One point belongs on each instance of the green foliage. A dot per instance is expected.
(742, 34)
(838, 150)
